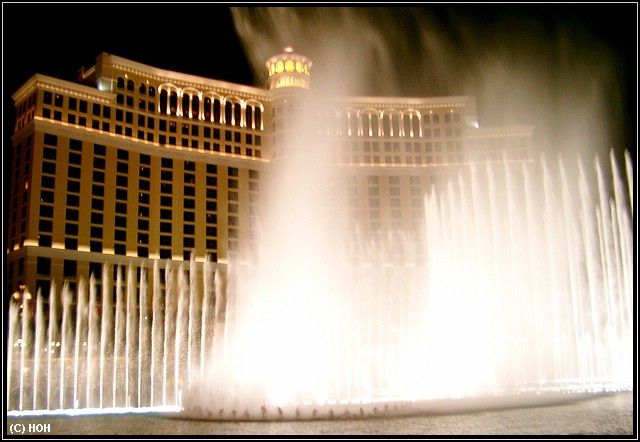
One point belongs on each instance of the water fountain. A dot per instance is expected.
(521, 291)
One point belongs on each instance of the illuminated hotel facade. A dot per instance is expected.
(134, 164)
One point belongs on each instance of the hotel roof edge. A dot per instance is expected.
(401, 100)
(37, 79)
(188, 78)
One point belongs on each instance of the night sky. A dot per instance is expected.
(552, 47)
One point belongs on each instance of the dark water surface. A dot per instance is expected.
(602, 415)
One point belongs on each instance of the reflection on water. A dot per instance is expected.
(606, 415)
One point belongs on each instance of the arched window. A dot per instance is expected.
(142, 89)
(185, 105)
(370, 124)
(217, 114)
(406, 125)
(207, 108)
(173, 103)
(248, 118)
(352, 123)
(228, 112)
(195, 106)
(386, 125)
(130, 85)
(258, 118)
(237, 114)
(447, 118)
(120, 83)
(163, 101)
(436, 119)
(411, 123)
(415, 126)
(456, 118)
(152, 91)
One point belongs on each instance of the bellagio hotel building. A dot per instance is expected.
(134, 164)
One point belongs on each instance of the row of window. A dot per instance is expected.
(170, 140)
(122, 179)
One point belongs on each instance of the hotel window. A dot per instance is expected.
(48, 167)
(72, 200)
(99, 163)
(122, 167)
(143, 238)
(70, 268)
(44, 240)
(72, 215)
(45, 225)
(97, 190)
(96, 218)
(189, 216)
(43, 266)
(45, 212)
(73, 186)
(97, 204)
(188, 229)
(144, 172)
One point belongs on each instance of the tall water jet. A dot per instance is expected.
(53, 345)
(107, 329)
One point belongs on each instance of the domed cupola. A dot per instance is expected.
(288, 69)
